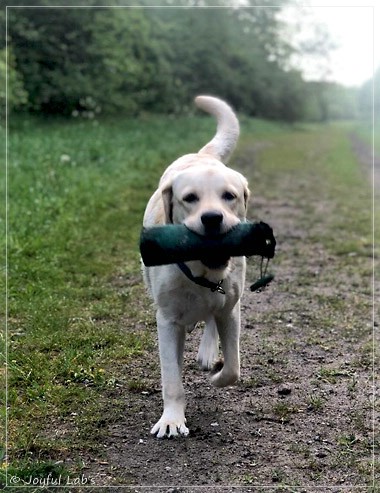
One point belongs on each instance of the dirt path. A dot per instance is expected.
(301, 414)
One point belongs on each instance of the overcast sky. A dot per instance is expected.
(351, 27)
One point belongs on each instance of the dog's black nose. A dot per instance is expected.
(212, 221)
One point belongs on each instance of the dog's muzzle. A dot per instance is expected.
(212, 222)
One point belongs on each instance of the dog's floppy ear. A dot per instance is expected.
(167, 198)
(247, 192)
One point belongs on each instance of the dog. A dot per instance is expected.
(200, 191)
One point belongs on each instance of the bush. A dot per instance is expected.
(17, 96)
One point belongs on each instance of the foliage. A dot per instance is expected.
(135, 59)
(17, 96)
(330, 101)
(83, 59)
(369, 96)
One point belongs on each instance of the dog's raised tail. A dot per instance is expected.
(227, 133)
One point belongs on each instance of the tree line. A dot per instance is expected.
(87, 61)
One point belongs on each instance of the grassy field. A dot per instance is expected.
(77, 309)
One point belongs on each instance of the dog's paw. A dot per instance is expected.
(170, 425)
(222, 377)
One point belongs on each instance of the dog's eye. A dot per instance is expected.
(228, 196)
(190, 198)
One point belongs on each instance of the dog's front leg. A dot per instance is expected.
(171, 340)
(229, 333)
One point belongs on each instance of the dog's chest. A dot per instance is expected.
(193, 305)
(185, 303)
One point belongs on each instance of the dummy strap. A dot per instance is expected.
(202, 281)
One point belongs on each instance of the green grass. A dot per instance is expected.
(77, 193)
(76, 198)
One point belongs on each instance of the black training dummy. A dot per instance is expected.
(174, 243)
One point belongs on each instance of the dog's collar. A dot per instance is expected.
(201, 281)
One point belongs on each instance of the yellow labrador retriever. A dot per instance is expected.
(200, 191)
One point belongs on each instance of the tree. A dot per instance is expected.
(129, 60)
(369, 96)
(84, 59)
(17, 96)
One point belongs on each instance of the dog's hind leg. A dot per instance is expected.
(209, 346)
(229, 333)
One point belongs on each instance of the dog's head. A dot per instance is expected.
(207, 196)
